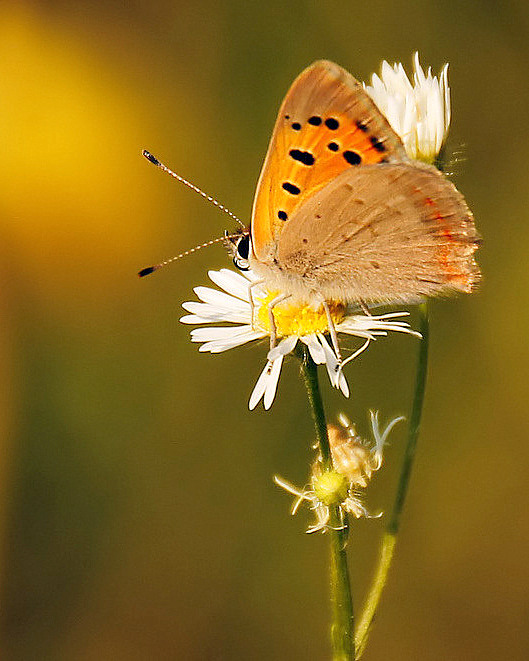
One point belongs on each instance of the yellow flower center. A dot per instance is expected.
(297, 319)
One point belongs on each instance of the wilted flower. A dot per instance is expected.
(420, 112)
(354, 461)
(294, 323)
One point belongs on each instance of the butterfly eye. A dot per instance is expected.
(242, 253)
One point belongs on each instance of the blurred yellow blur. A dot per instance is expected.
(138, 518)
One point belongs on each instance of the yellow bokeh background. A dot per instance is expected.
(138, 519)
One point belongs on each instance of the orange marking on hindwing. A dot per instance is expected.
(445, 250)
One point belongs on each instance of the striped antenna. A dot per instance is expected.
(150, 269)
(207, 197)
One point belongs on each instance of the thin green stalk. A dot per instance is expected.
(415, 420)
(389, 539)
(342, 626)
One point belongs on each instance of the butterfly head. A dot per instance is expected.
(239, 246)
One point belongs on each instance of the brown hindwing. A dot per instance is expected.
(384, 233)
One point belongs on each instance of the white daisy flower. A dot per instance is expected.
(420, 112)
(294, 323)
(354, 462)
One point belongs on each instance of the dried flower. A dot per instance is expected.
(354, 462)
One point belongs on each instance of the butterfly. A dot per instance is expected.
(342, 214)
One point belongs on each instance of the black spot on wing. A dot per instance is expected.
(304, 157)
(315, 120)
(352, 157)
(377, 144)
(290, 188)
(332, 123)
(296, 126)
(282, 215)
(333, 146)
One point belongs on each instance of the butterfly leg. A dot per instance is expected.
(253, 284)
(354, 354)
(364, 308)
(332, 331)
(271, 319)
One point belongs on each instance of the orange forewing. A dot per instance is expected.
(326, 124)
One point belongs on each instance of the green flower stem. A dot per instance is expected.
(415, 420)
(390, 536)
(342, 627)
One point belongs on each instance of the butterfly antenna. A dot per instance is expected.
(150, 269)
(207, 197)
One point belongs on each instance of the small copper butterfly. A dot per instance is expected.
(341, 212)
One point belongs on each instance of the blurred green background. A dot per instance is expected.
(138, 516)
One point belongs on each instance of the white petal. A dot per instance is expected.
(380, 439)
(266, 384)
(343, 385)
(206, 314)
(271, 385)
(218, 346)
(418, 109)
(219, 332)
(199, 320)
(220, 300)
(288, 486)
(373, 326)
(233, 283)
(315, 349)
(260, 386)
(419, 73)
(331, 362)
(389, 315)
(283, 348)
(193, 319)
